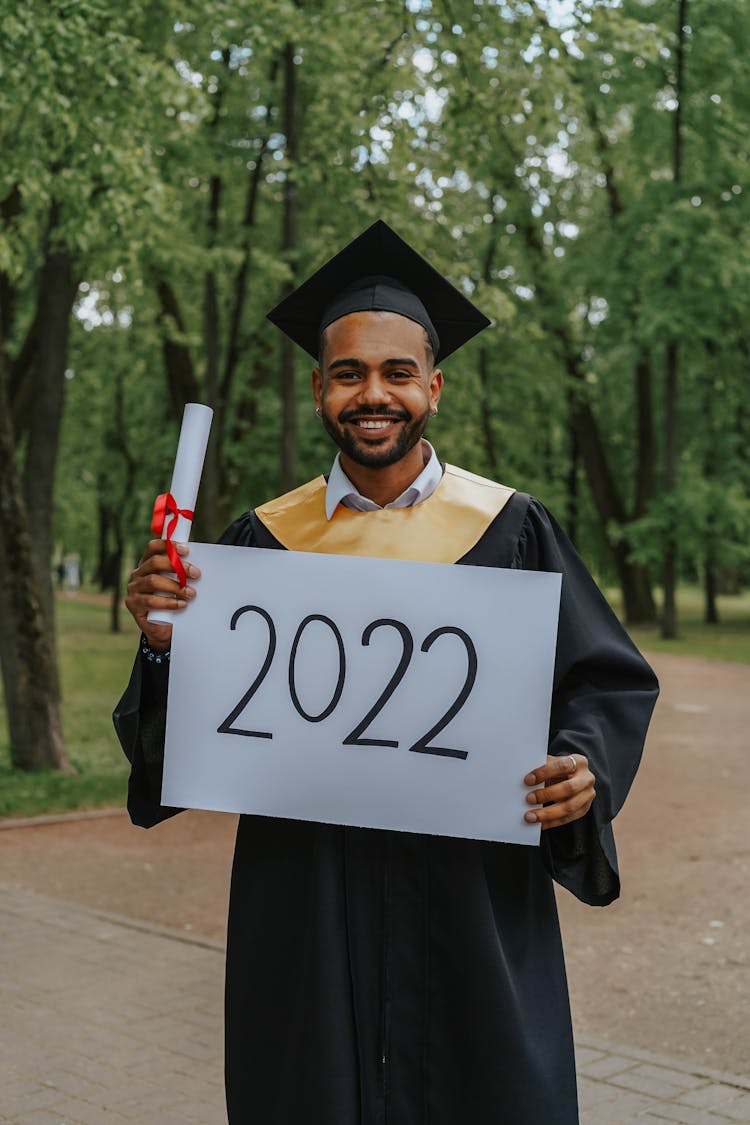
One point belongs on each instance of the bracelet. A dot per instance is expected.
(152, 655)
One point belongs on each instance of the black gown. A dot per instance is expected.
(387, 978)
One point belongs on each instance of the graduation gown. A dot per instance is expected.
(388, 978)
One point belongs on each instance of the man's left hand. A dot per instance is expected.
(567, 793)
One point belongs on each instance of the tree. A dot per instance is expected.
(73, 167)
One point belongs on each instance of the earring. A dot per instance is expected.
(317, 411)
(433, 412)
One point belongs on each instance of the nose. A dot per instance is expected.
(374, 390)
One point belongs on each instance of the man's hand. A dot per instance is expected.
(567, 794)
(152, 585)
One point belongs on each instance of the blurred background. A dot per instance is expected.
(169, 171)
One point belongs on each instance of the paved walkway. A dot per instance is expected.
(105, 1021)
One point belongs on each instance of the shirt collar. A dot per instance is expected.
(340, 489)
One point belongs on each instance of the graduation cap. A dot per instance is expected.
(379, 271)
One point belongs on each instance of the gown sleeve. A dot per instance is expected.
(140, 718)
(603, 696)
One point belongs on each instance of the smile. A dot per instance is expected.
(375, 424)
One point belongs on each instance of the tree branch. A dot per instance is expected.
(232, 351)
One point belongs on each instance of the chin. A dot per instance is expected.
(378, 456)
(374, 458)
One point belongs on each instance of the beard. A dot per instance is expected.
(376, 453)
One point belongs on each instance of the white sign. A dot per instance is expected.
(402, 695)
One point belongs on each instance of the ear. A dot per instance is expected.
(316, 379)
(436, 387)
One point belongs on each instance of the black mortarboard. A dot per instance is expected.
(379, 271)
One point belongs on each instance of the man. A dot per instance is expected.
(386, 977)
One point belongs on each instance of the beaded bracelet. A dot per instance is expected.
(152, 655)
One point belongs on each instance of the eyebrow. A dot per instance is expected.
(404, 361)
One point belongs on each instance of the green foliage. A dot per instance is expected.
(76, 114)
(527, 148)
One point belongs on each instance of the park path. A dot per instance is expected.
(107, 1021)
(112, 1006)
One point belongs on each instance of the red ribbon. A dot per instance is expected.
(164, 507)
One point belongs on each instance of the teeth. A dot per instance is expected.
(373, 425)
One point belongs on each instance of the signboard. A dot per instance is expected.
(369, 692)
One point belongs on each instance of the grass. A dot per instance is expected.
(95, 666)
(729, 640)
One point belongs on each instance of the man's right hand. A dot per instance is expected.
(152, 585)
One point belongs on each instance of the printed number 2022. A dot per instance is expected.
(356, 736)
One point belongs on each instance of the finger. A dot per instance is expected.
(158, 571)
(161, 564)
(143, 590)
(562, 790)
(158, 583)
(141, 606)
(562, 812)
(159, 547)
(557, 767)
(574, 814)
(157, 601)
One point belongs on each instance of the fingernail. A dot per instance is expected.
(530, 817)
(182, 548)
(190, 592)
(193, 571)
(531, 798)
(530, 779)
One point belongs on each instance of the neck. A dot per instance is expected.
(384, 483)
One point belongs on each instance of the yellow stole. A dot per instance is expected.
(441, 529)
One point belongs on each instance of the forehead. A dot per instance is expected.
(374, 337)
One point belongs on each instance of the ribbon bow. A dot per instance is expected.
(165, 506)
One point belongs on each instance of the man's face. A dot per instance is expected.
(375, 387)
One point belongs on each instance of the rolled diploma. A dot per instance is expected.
(186, 477)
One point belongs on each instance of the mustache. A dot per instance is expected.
(374, 412)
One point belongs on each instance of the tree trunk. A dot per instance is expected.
(574, 498)
(644, 473)
(638, 603)
(26, 642)
(211, 477)
(490, 449)
(637, 596)
(710, 587)
(182, 383)
(100, 575)
(289, 246)
(671, 453)
(669, 608)
(116, 598)
(120, 510)
(57, 289)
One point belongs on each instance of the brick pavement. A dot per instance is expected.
(106, 1021)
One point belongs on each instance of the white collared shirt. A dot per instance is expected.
(340, 489)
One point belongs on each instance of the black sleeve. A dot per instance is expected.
(140, 718)
(603, 696)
